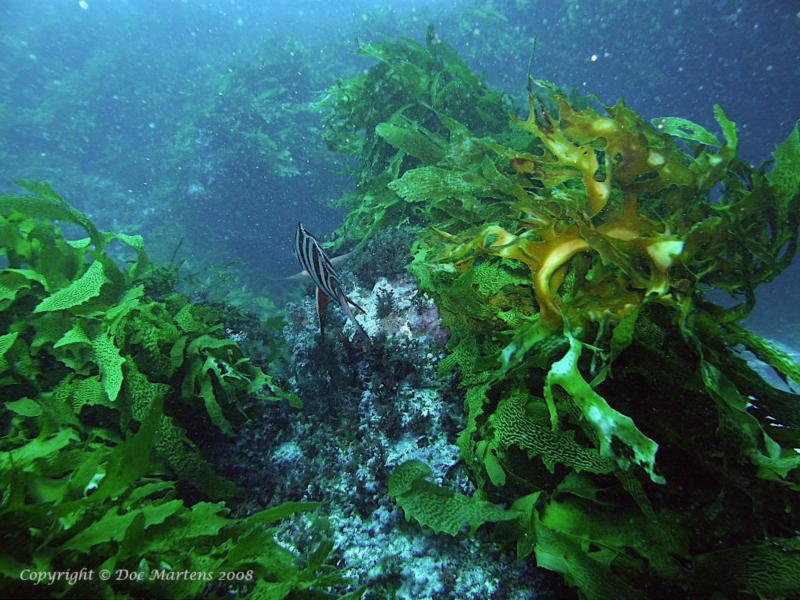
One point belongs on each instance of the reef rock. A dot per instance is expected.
(368, 408)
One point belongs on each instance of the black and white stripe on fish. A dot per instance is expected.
(325, 277)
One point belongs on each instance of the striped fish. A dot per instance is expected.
(325, 277)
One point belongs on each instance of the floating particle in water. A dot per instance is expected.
(84, 4)
(594, 58)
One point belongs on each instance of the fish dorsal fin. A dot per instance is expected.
(303, 275)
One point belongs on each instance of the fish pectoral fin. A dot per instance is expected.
(301, 276)
(298, 276)
(322, 304)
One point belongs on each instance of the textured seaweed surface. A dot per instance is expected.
(107, 392)
(550, 397)
(570, 255)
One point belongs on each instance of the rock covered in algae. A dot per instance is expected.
(366, 411)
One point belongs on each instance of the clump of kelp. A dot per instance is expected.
(615, 429)
(105, 392)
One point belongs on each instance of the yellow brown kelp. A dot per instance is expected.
(563, 191)
(608, 400)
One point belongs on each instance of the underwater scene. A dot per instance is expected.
(399, 299)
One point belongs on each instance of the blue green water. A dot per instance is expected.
(103, 98)
(204, 127)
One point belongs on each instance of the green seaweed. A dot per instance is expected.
(397, 116)
(433, 506)
(685, 129)
(570, 254)
(100, 384)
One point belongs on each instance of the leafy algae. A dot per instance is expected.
(100, 384)
(666, 458)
